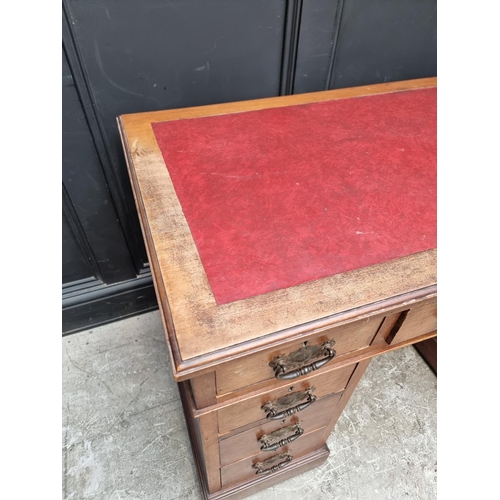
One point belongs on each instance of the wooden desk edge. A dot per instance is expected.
(279, 101)
(186, 368)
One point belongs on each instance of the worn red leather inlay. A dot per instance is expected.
(279, 197)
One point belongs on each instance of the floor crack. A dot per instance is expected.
(87, 372)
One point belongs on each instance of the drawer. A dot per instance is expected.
(243, 470)
(255, 368)
(250, 410)
(420, 319)
(248, 444)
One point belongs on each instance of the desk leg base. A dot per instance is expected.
(244, 490)
(428, 350)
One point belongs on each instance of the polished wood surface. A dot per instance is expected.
(379, 344)
(357, 357)
(250, 410)
(255, 367)
(277, 102)
(242, 470)
(428, 350)
(422, 318)
(203, 437)
(247, 444)
(259, 483)
(204, 390)
(221, 353)
(201, 333)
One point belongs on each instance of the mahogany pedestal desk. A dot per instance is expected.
(291, 239)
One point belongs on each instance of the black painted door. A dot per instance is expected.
(140, 55)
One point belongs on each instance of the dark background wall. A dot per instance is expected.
(125, 56)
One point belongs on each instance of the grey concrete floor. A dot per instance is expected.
(124, 436)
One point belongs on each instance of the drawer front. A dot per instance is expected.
(247, 444)
(255, 368)
(250, 410)
(243, 471)
(420, 319)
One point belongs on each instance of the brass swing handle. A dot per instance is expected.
(278, 410)
(266, 439)
(260, 466)
(282, 363)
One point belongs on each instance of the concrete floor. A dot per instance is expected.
(124, 436)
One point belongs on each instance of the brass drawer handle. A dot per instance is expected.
(261, 466)
(294, 361)
(267, 439)
(276, 410)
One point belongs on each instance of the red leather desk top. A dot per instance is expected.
(282, 196)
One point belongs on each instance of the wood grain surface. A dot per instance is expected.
(243, 471)
(249, 410)
(428, 350)
(259, 483)
(255, 368)
(420, 319)
(201, 334)
(246, 443)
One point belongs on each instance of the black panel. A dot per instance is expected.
(126, 211)
(100, 304)
(316, 41)
(74, 263)
(126, 56)
(385, 41)
(290, 45)
(157, 54)
(87, 189)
